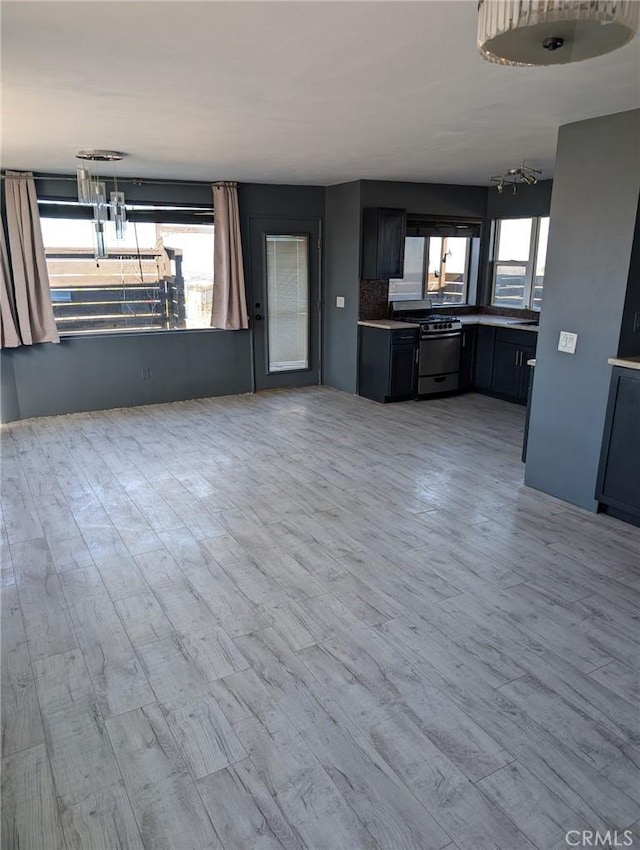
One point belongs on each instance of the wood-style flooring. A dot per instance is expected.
(304, 620)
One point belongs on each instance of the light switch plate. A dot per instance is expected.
(567, 342)
(339, 301)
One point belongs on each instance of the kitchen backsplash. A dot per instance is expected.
(374, 299)
(374, 304)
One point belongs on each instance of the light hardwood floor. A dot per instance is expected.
(305, 620)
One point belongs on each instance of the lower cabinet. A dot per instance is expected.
(501, 365)
(387, 363)
(468, 345)
(618, 487)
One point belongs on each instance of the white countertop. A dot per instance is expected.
(475, 319)
(498, 322)
(625, 362)
(388, 324)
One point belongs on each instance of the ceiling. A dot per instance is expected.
(286, 92)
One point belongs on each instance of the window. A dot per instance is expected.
(435, 267)
(287, 263)
(520, 251)
(159, 277)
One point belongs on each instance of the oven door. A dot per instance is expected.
(439, 363)
(439, 354)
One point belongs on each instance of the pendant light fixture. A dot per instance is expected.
(553, 32)
(92, 191)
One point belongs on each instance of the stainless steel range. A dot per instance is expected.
(439, 351)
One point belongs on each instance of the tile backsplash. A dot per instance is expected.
(374, 299)
(374, 304)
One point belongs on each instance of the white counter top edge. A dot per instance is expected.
(625, 362)
(474, 319)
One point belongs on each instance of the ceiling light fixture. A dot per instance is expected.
(92, 191)
(512, 176)
(553, 32)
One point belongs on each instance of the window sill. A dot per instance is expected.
(119, 333)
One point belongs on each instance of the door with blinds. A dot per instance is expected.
(285, 303)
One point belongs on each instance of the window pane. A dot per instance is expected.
(509, 285)
(159, 277)
(455, 259)
(541, 258)
(514, 239)
(410, 286)
(288, 302)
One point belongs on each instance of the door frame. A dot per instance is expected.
(257, 286)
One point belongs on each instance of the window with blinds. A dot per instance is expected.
(287, 266)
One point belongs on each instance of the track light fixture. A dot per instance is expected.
(513, 176)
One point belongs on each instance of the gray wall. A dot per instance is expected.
(528, 201)
(426, 198)
(101, 372)
(342, 277)
(593, 216)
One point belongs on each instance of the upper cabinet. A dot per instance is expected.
(383, 234)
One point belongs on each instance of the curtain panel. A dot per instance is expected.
(229, 307)
(26, 312)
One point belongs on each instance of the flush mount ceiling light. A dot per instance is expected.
(92, 191)
(513, 176)
(553, 32)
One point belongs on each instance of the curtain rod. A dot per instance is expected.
(137, 181)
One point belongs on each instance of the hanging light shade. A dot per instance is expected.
(92, 191)
(553, 32)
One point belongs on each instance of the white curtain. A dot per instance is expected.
(25, 289)
(229, 308)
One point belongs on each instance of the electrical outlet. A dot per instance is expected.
(340, 301)
(567, 342)
(146, 373)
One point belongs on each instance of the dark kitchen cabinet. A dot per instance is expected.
(507, 375)
(468, 344)
(387, 363)
(501, 362)
(383, 234)
(618, 486)
(485, 343)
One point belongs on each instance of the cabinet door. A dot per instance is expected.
(373, 363)
(619, 478)
(403, 371)
(528, 353)
(392, 228)
(468, 342)
(383, 234)
(506, 369)
(486, 337)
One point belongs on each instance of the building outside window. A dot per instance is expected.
(159, 277)
(435, 267)
(519, 256)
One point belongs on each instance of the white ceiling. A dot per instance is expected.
(286, 92)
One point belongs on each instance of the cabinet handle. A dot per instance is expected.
(517, 353)
(464, 340)
(417, 355)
